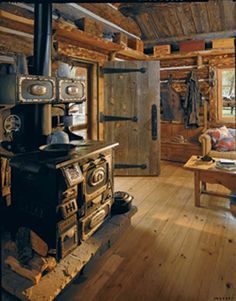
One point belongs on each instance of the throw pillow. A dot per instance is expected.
(226, 144)
(218, 134)
(232, 132)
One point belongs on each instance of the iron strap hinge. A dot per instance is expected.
(121, 70)
(122, 166)
(105, 118)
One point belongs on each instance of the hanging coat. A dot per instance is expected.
(193, 100)
(170, 104)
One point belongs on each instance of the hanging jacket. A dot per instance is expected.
(193, 100)
(170, 103)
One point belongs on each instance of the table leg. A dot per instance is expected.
(197, 190)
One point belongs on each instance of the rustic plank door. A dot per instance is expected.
(136, 95)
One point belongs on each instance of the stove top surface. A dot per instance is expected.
(55, 161)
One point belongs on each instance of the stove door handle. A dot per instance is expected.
(102, 160)
(97, 176)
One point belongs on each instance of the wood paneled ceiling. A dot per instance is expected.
(154, 23)
(166, 23)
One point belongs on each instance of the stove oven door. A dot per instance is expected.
(96, 179)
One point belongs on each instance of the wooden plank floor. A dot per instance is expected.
(173, 250)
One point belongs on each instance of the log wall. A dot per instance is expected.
(100, 51)
(204, 71)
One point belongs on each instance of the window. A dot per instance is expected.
(80, 111)
(226, 95)
(80, 123)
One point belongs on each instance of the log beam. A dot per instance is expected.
(200, 36)
(77, 35)
(203, 53)
(15, 18)
(65, 48)
(13, 43)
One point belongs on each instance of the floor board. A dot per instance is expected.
(173, 250)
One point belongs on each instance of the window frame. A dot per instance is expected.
(93, 95)
(84, 126)
(221, 118)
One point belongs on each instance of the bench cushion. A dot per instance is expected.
(224, 155)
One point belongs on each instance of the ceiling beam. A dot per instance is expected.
(200, 36)
(107, 23)
(179, 55)
(23, 5)
(112, 6)
(16, 32)
(85, 12)
(7, 59)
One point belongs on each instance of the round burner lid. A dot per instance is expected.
(58, 149)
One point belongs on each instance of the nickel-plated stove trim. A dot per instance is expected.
(41, 80)
(89, 224)
(68, 90)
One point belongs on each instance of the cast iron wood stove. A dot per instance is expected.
(62, 199)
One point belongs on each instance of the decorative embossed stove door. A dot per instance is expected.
(132, 115)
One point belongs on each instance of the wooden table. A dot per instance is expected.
(205, 172)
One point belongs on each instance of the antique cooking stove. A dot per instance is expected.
(63, 196)
(64, 199)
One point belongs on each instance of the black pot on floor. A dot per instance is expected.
(122, 202)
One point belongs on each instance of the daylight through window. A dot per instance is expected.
(226, 94)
